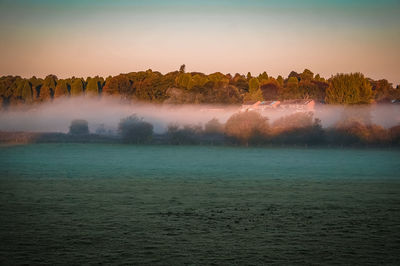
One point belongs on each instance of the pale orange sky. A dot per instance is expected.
(110, 37)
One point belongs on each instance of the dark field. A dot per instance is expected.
(113, 204)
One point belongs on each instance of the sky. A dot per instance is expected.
(97, 37)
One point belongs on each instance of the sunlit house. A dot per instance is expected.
(298, 105)
(290, 105)
(259, 106)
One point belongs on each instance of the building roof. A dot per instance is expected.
(297, 102)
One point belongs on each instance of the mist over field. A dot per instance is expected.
(56, 116)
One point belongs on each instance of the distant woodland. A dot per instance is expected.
(181, 87)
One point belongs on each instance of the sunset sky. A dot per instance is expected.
(98, 37)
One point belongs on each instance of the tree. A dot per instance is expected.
(225, 94)
(61, 89)
(248, 76)
(92, 88)
(293, 121)
(312, 89)
(255, 94)
(351, 88)
(246, 125)
(213, 127)
(118, 85)
(270, 90)
(280, 80)
(294, 74)
(36, 84)
(263, 77)
(26, 93)
(183, 80)
(291, 90)
(77, 87)
(46, 93)
(48, 88)
(307, 75)
(254, 85)
(79, 127)
(189, 134)
(383, 90)
(182, 68)
(135, 130)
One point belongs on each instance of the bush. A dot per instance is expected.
(291, 122)
(79, 127)
(189, 134)
(354, 131)
(247, 125)
(213, 127)
(298, 129)
(135, 130)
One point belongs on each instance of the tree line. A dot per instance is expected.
(251, 128)
(181, 87)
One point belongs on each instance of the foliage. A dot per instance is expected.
(135, 130)
(383, 90)
(189, 134)
(61, 89)
(79, 127)
(270, 90)
(182, 68)
(349, 89)
(181, 87)
(26, 92)
(291, 90)
(246, 125)
(293, 121)
(307, 75)
(76, 87)
(254, 94)
(118, 85)
(213, 127)
(92, 87)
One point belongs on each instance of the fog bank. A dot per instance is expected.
(57, 115)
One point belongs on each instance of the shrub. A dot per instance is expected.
(135, 130)
(246, 125)
(291, 122)
(213, 127)
(189, 134)
(79, 127)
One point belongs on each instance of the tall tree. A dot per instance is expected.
(291, 90)
(77, 87)
(26, 93)
(307, 75)
(351, 88)
(92, 87)
(61, 89)
(118, 85)
(255, 93)
(270, 90)
(48, 87)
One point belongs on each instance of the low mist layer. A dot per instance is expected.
(107, 112)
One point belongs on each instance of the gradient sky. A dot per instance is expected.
(98, 37)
